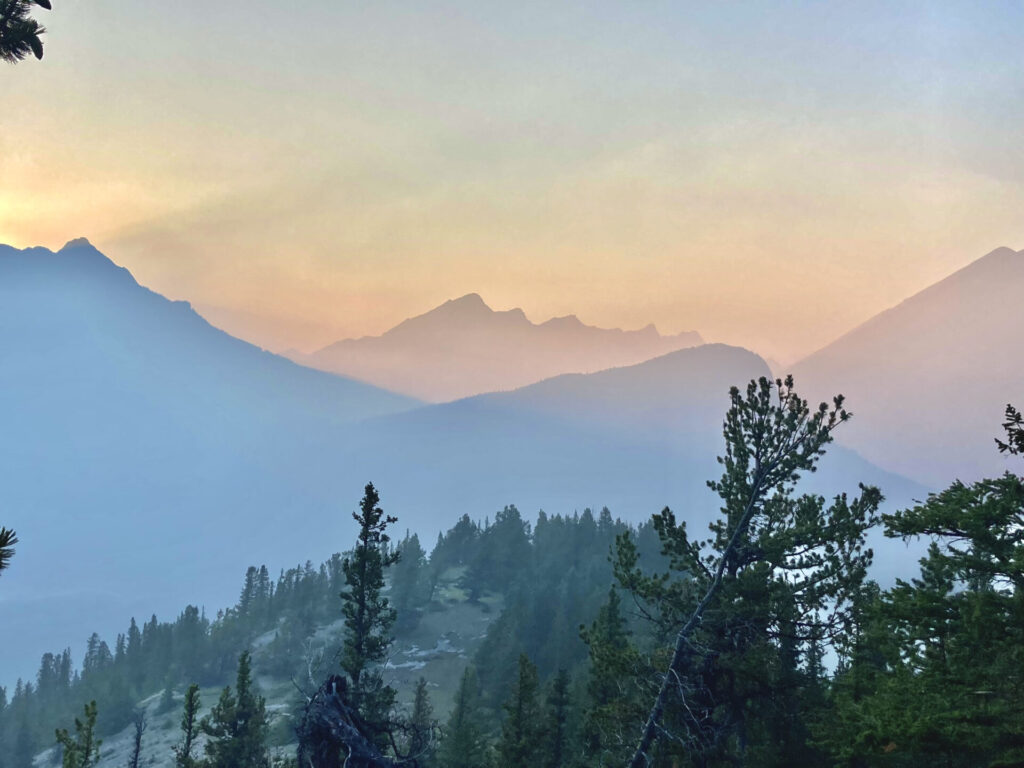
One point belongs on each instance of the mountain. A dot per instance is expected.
(464, 348)
(146, 458)
(930, 377)
(142, 450)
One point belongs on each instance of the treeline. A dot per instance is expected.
(553, 576)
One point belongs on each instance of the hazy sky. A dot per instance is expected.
(767, 173)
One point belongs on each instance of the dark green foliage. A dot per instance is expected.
(422, 727)
(557, 736)
(237, 726)
(82, 750)
(7, 541)
(183, 757)
(610, 704)
(933, 674)
(503, 554)
(411, 585)
(1014, 426)
(520, 744)
(744, 608)
(19, 32)
(369, 616)
(463, 744)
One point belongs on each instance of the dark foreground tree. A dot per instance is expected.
(934, 676)
(7, 541)
(369, 618)
(1014, 426)
(82, 750)
(751, 606)
(350, 719)
(19, 32)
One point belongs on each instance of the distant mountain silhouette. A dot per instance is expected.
(464, 348)
(930, 377)
(146, 458)
(141, 448)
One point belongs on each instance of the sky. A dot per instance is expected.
(768, 173)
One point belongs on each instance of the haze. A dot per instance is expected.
(768, 176)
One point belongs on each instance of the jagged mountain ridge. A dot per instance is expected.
(463, 348)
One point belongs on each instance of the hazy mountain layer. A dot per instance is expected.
(929, 378)
(464, 348)
(146, 458)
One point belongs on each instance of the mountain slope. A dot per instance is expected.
(930, 377)
(141, 450)
(464, 348)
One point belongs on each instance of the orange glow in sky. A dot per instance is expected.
(769, 177)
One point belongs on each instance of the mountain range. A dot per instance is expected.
(147, 458)
(464, 348)
(929, 378)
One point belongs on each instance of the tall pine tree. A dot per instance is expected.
(369, 617)
(520, 743)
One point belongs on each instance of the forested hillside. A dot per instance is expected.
(584, 641)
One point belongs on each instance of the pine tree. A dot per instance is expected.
(462, 745)
(19, 32)
(779, 568)
(189, 730)
(421, 723)
(369, 617)
(557, 737)
(7, 541)
(519, 744)
(238, 725)
(82, 751)
(408, 579)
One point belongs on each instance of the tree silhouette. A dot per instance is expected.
(7, 542)
(19, 32)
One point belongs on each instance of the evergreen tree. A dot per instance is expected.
(82, 751)
(779, 572)
(557, 737)
(369, 617)
(520, 744)
(7, 541)
(19, 32)
(408, 580)
(610, 701)
(462, 745)
(190, 728)
(934, 675)
(422, 726)
(237, 726)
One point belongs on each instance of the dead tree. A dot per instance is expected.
(140, 722)
(333, 735)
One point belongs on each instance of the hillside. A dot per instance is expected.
(465, 348)
(929, 378)
(128, 420)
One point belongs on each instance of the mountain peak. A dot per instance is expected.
(474, 300)
(78, 242)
